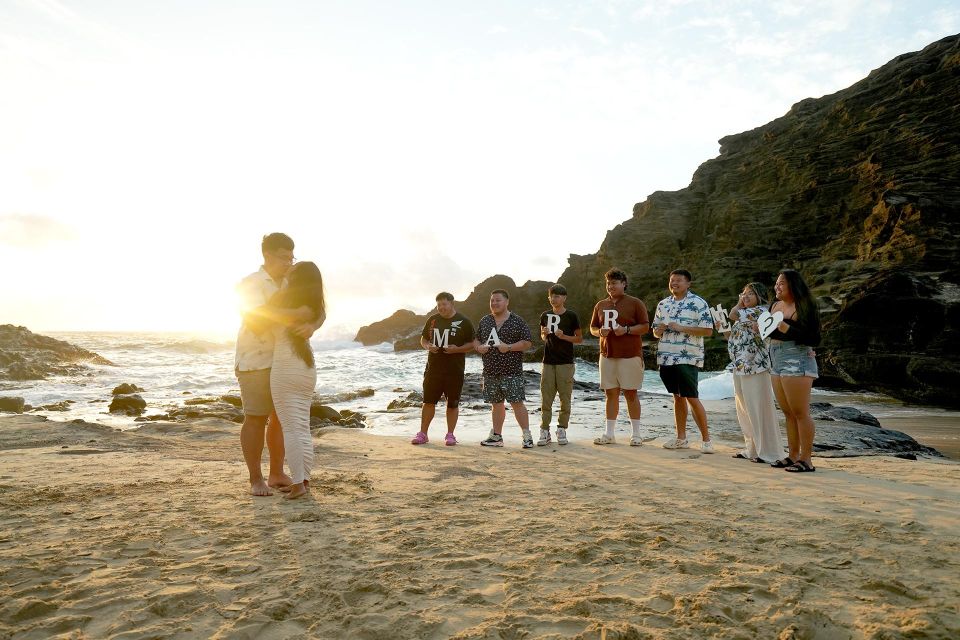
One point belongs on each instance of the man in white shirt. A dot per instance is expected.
(254, 358)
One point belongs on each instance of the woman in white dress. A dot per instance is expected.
(750, 360)
(293, 375)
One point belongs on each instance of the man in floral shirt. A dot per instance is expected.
(681, 322)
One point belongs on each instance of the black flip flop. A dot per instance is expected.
(741, 456)
(781, 464)
(800, 467)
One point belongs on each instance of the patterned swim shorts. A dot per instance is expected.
(496, 389)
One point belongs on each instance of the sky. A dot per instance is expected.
(408, 147)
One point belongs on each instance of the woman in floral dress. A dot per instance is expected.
(750, 361)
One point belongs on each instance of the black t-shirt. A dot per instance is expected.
(555, 350)
(439, 331)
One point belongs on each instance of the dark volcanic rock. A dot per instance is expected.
(131, 404)
(63, 405)
(232, 399)
(352, 419)
(347, 418)
(413, 399)
(826, 411)
(323, 412)
(396, 327)
(125, 388)
(25, 355)
(198, 401)
(12, 404)
(345, 396)
(851, 439)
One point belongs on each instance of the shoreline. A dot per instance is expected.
(154, 534)
(179, 372)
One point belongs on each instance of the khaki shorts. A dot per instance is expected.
(622, 373)
(255, 392)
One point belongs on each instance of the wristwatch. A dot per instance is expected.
(628, 330)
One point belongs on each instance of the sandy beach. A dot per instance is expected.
(151, 534)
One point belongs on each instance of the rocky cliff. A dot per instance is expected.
(860, 191)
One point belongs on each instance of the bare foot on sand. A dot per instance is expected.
(277, 481)
(295, 491)
(260, 488)
(287, 487)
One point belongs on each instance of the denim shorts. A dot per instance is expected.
(793, 360)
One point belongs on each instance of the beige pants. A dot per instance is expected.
(556, 378)
(758, 417)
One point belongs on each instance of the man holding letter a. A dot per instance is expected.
(448, 336)
(619, 320)
(560, 330)
(502, 337)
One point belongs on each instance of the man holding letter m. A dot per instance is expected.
(448, 336)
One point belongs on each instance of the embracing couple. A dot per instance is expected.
(282, 306)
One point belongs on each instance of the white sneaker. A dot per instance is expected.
(636, 441)
(676, 443)
(544, 438)
(605, 439)
(561, 435)
(527, 442)
(707, 446)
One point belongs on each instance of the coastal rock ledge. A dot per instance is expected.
(25, 355)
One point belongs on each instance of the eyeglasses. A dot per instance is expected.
(284, 258)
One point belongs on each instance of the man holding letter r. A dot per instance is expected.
(619, 320)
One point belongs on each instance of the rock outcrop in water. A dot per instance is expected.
(858, 190)
(398, 326)
(25, 355)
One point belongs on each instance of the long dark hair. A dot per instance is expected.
(808, 313)
(304, 288)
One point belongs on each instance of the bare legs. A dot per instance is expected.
(613, 403)
(680, 416)
(252, 441)
(793, 396)
(499, 414)
(429, 411)
(277, 477)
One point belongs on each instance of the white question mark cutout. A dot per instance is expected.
(769, 322)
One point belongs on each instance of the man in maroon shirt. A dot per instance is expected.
(619, 320)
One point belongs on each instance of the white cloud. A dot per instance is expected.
(26, 231)
(593, 34)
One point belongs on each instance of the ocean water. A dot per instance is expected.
(176, 367)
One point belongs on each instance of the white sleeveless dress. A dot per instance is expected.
(292, 383)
